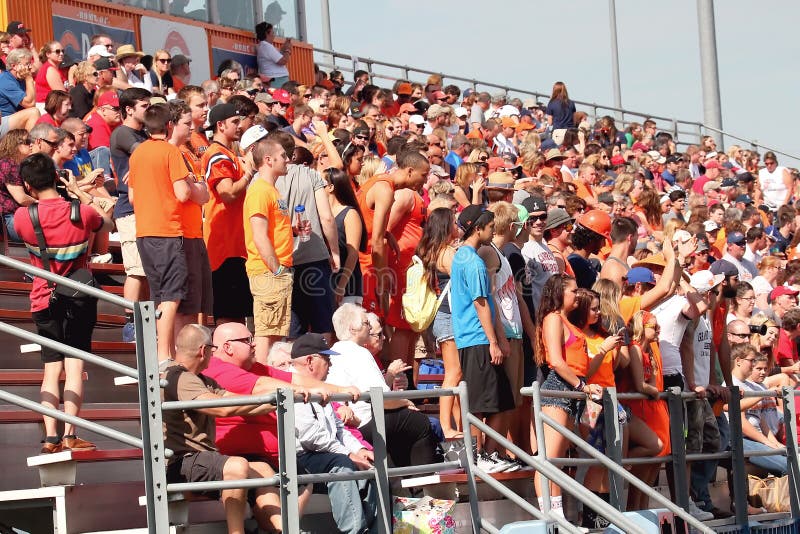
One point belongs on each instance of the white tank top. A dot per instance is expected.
(505, 294)
(772, 186)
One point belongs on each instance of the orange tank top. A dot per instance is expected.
(369, 213)
(575, 353)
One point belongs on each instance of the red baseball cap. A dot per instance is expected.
(780, 291)
(282, 96)
(108, 99)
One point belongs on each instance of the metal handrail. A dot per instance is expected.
(66, 282)
(698, 129)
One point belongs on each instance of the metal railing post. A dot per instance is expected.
(153, 450)
(613, 437)
(540, 445)
(287, 458)
(739, 472)
(677, 438)
(790, 431)
(470, 458)
(384, 512)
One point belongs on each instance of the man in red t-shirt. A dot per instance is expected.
(786, 350)
(235, 369)
(59, 318)
(103, 121)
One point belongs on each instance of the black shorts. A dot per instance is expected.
(232, 297)
(205, 466)
(487, 384)
(199, 292)
(164, 263)
(69, 321)
(312, 299)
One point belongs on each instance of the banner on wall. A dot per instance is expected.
(177, 38)
(223, 48)
(74, 26)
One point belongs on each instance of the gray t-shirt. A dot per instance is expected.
(297, 188)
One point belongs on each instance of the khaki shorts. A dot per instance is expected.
(126, 227)
(272, 303)
(513, 364)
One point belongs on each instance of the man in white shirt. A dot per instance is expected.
(756, 242)
(324, 446)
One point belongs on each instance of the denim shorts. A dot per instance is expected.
(554, 382)
(442, 327)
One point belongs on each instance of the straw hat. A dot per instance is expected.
(127, 50)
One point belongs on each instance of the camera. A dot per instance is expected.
(758, 329)
(60, 187)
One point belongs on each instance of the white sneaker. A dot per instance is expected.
(509, 466)
(697, 513)
(101, 258)
(488, 464)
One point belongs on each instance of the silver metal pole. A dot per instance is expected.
(384, 511)
(287, 456)
(615, 80)
(326, 30)
(709, 71)
(302, 33)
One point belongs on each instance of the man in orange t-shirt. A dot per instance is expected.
(585, 182)
(228, 177)
(199, 299)
(270, 242)
(158, 186)
(197, 100)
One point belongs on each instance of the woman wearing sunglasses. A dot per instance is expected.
(14, 147)
(49, 77)
(160, 74)
(83, 92)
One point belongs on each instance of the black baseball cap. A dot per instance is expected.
(104, 63)
(16, 27)
(470, 215)
(311, 344)
(221, 112)
(534, 204)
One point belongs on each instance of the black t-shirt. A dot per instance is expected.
(585, 271)
(166, 82)
(82, 101)
(124, 141)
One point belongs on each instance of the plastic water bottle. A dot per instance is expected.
(302, 222)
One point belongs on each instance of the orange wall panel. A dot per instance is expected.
(37, 15)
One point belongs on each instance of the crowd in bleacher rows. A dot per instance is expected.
(559, 251)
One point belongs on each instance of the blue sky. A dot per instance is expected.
(531, 44)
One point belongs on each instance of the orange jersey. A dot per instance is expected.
(369, 213)
(155, 166)
(223, 230)
(263, 200)
(192, 218)
(198, 143)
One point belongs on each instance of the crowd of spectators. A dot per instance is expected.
(566, 252)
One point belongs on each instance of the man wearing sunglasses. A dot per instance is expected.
(539, 260)
(558, 232)
(44, 139)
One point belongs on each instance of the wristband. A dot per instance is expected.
(581, 385)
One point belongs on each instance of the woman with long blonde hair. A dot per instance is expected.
(468, 185)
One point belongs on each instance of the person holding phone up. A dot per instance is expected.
(272, 60)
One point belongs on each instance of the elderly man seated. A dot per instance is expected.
(325, 446)
(233, 366)
(409, 438)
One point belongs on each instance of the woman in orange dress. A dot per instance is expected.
(648, 379)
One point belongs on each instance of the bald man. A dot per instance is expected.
(234, 367)
(190, 433)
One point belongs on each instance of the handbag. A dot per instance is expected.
(771, 492)
(82, 275)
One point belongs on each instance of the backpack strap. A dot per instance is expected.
(33, 213)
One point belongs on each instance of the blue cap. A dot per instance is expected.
(641, 275)
(736, 238)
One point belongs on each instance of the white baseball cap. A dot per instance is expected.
(99, 50)
(251, 136)
(416, 119)
(704, 281)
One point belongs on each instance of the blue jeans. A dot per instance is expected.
(8, 220)
(353, 502)
(775, 464)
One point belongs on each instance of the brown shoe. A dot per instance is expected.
(50, 448)
(78, 444)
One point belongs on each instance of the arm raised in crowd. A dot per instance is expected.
(665, 286)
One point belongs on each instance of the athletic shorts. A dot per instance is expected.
(164, 262)
(232, 297)
(70, 321)
(205, 466)
(199, 291)
(488, 385)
